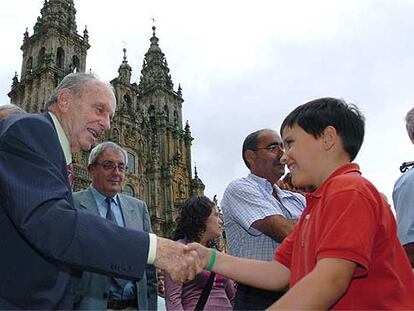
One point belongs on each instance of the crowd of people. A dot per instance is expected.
(322, 237)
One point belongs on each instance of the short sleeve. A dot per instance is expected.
(403, 198)
(251, 200)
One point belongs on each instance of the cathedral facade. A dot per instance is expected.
(148, 120)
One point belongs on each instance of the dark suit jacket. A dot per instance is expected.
(44, 240)
(94, 288)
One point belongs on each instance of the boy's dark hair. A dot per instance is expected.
(314, 116)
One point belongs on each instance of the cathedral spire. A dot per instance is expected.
(155, 72)
(50, 53)
(124, 70)
(58, 15)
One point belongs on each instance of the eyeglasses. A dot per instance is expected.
(274, 148)
(110, 166)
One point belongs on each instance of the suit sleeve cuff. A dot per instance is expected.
(152, 251)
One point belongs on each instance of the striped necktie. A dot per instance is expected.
(111, 217)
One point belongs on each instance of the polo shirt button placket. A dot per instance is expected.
(302, 241)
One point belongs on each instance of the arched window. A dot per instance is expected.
(128, 190)
(131, 163)
(175, 117)
(128, 103)
(151, 114)
(41, 56)
(76, 63)
(29, 64)
(166, 113)
(60, 58)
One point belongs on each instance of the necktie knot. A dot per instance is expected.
(108, 201)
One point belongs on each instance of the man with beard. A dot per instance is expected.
(258, 215)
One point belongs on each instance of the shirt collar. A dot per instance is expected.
(262, 181)
(344, 169)
(269, 187)
(100, 197)
(63, 139)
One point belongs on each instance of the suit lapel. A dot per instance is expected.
(87, 201)
(130, 217)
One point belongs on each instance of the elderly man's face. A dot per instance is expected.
(88, 114)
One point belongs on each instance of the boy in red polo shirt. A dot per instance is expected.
(344, 252)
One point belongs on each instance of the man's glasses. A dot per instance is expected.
(110, 166)
(274, 148)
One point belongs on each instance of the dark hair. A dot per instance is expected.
(251, 142)
(192, 221)
(314, 116)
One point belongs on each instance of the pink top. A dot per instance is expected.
(185, 296)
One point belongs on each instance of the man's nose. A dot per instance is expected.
(106, 123)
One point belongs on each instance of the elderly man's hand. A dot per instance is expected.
(203, 252)
(181, 263)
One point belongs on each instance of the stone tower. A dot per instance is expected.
(148, 123)
(54, 50)
(148, 119)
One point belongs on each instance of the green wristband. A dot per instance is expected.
(212, 259)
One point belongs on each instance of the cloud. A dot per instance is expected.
(244, 65)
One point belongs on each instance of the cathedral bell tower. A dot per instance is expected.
(168, 143)
(54, 50)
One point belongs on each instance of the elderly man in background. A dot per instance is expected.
(45, 241)
(107, 165)
(403, 198)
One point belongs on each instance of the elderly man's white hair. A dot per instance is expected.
(97, 151)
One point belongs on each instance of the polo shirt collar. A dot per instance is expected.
(63, 139)
(344, 169)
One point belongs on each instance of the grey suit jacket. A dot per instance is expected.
(94, 288)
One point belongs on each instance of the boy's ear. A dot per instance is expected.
(330, 137)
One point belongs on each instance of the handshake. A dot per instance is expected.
(182, 262)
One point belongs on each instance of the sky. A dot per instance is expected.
(244, 65)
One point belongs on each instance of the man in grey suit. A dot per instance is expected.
(107, 165)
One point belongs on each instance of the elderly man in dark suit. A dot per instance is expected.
(45, 242)
(107, 165)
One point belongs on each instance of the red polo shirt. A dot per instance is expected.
(347, 218)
